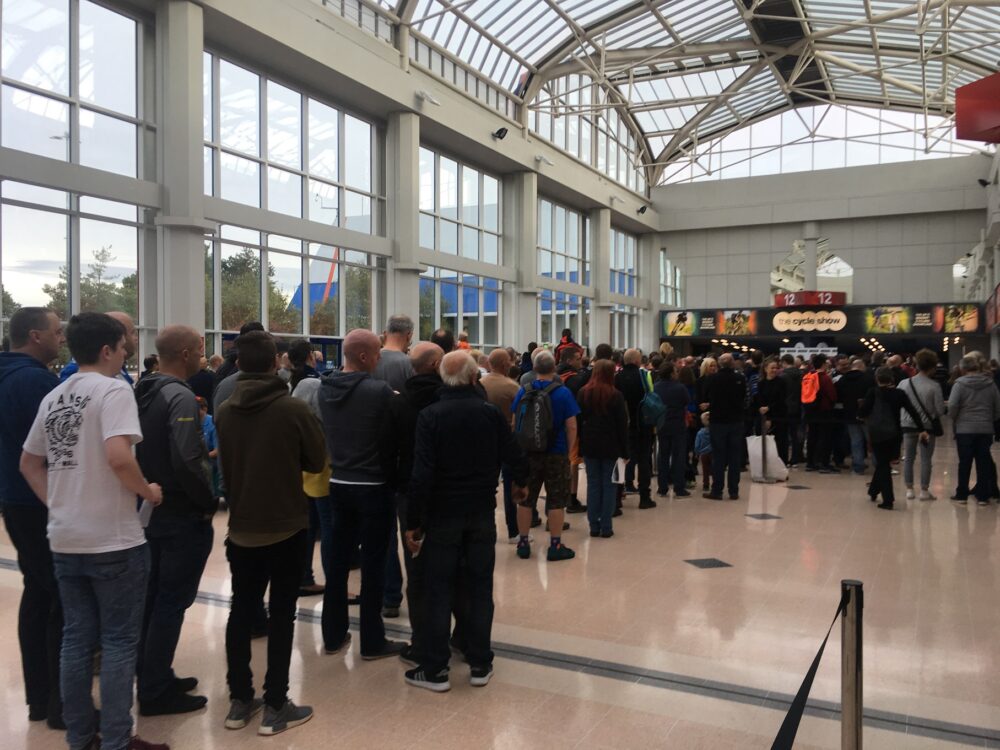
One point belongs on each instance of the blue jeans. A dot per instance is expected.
(102, 597)
(974, 447)
(727, 456)
(859, 446)
(178, 550)
(601, 493)
(358, 514)
(672, 461)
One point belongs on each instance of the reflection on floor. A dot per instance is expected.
(629, 646)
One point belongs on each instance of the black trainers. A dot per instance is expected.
(240, 712)
(185, 684)
(389, 648)
(480, 676)
(575, 506)
(647, 503)
(172, 703)
(289, 715)
(390, 613)
(344, 644)
(420, 678)
(408, 657)
(560, 552)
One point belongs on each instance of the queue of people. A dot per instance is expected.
(404, 442)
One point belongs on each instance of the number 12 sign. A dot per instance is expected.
(810, 299)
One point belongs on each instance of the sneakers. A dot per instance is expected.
(575, 506)
(909, 493)
(711, 496)
(523, 550)
(647, 503)
(240, 712)
(661, 493)
(389, 648)
(390, 612)
(420, 678)
(172, 703)
(286, 717)
(926, 495)
(517, 538)
(344, 644)
(630, 489)
(982, 502)
(560, 552)
(137, 743)
(595, 532)
(682, 493)
(884, 505)
(607, 534)
(959, 499)
(480, 676)
(408, 657)
(185, 684)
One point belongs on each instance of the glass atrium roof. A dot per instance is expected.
(690, 71)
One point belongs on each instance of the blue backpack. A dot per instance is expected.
(651, 408)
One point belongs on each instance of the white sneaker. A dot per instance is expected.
(909, 493)
(926, 495)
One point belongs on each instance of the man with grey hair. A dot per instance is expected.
(548, 464)
(974, 406)
(461, 442)
(394, 365)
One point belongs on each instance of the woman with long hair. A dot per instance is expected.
(603, 440)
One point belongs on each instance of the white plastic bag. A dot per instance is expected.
(618, 472)
(765, 464)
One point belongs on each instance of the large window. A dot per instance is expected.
(459, 209)
(292, 286)
(557, 311)
(670, 281)
(624, 326)
(49, 237)
(563, 240)
(624, 263)
(69, 83)
(272, 147)
(821, 137)
(460, 302)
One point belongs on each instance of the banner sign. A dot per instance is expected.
(858, 320)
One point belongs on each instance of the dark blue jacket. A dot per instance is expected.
(24, 382)
(675, 397)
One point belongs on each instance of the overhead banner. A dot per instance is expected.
(858, 320)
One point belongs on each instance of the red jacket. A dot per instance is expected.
(827, 393)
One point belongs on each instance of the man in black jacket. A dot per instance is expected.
(852, 387)
(362, 441)
(640, 437)
(172, 454)
(792, 376)
(461, 442)
(725, 394)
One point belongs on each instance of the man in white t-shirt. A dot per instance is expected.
(78, 459)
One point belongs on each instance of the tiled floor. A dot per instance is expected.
(652, 628)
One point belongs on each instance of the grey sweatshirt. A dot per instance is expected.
(928, 394)
(974, 405)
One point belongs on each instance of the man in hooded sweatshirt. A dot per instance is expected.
(362, 441)
(179, 533)
(266, 440)
(25, 379)
(974, 406)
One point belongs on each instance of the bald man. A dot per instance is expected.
(172, 454)
(362, 441)
(131, 347)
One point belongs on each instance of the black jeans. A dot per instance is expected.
(974, 447)
(672, 461)
(818, 443)
(179, 549)
(40, 618)
(360, 514)
(251, 569)
(459, 547)
(795, 440)
(640, 454)
(885, 453)
(728, 441)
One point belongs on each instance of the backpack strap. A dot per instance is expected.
(557, 383)
(647, 380)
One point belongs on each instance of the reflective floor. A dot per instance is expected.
(629, 646)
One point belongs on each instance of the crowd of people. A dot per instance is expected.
(109, 488)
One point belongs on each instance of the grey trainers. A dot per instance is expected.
(240, 712)
(288, 716)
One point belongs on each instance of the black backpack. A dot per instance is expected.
(534, 425)
(882, 422)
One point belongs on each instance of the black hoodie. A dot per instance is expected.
(172, 452)
(418, 392)
(266, 440)
(357, 422)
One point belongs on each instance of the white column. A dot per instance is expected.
(403, 213)
(809, 266)
(520, 249)
(180, 267)
(649, 291)
(600, 276)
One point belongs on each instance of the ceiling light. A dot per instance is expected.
(426, 96)
(499, 134)
(955, 340)
(785, 341)
(715, 341)
(540, 158)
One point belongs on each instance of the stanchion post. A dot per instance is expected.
(851, 693)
